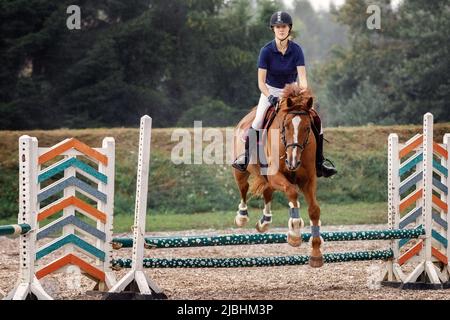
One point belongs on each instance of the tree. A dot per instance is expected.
(405, 64)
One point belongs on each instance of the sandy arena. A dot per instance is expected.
(349, 280)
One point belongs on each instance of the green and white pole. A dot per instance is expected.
(269, 238)
(14, 229)
(255, 261)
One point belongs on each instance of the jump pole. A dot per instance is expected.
(14, 230)
(136, 280)
(267, 238)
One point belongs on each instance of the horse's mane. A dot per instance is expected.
(301, 96)
(292, 90)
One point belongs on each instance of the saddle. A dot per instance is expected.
(268, 119)
(270, 116)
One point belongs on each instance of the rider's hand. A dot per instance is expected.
(273, 100)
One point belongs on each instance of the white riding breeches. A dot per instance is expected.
(263, 105)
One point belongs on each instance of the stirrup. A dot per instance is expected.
(328, 160)
(240, 163)
(326, 171)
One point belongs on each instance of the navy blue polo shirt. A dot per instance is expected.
(281, 69)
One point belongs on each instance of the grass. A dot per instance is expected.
(206, 194)
(332, 214)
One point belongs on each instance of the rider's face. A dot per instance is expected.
(281, 31)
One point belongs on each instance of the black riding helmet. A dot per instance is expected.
(280, 17)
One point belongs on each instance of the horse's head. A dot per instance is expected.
(295, 108)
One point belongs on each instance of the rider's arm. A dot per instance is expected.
(302, 82)
(262, 73)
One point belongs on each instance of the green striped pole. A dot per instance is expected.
(254, 261)
(14, 229)
(270, 238)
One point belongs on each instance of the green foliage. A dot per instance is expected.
(195, 188)
(366, 104)
(198, 188)
(392, 75)
(360, 155)
(171, 59)
(212, 113)
(317, 32)
(9, 195)
(361, 177)
(130, 58)
(331, 214)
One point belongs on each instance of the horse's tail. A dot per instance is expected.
(258, 185)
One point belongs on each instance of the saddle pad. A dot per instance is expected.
(268, 118)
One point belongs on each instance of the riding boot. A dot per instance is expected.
(243, 160)
(322, 169)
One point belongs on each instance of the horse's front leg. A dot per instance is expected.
(241, 179)
(309, 190)
(279, 182)
(263, 224)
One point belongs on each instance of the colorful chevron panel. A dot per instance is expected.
(69, 191)
(419, 196)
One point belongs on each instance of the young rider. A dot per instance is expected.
(281, 62)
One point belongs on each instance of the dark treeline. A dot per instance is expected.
(186, 60)
(392, 75)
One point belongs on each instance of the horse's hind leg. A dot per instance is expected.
(309, 190)
(241, 178)
(263, 224)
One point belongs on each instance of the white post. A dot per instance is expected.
(136, 280)
(108, 146)
(140, 210)
(427, 197)
(447, 183)
(427, 181)
(28, 285)
(393, 201)
(28, 205)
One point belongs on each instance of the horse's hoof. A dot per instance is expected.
(294, 236)
(294, 239)
(241, 220)
(262, 227)
(316, 262)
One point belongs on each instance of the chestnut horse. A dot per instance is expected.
(289, 138)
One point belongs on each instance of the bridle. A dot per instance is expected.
(294, 144)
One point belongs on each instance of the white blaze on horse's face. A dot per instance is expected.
(296, 124)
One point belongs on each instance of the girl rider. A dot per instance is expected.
(281, 62)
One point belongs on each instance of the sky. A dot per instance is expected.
(319, 4)
(324, 4)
